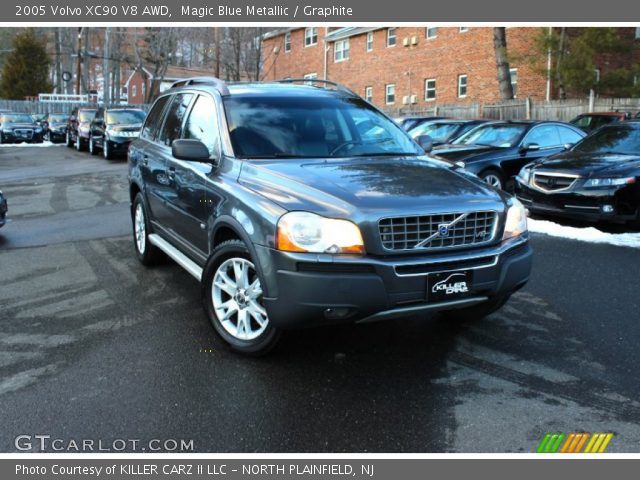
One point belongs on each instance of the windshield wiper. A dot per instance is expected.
(387, 154)
(271, 155)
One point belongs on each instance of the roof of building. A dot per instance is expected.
(347, 32)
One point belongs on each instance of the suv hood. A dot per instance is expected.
(590, 164)
(351, 188)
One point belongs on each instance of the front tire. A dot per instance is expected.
(106, 150)
(493, 178)
(232, 297)
(1, 139)
(147, 253)
(477, 312)
(92, 146)
(69, 140)
(79, 146)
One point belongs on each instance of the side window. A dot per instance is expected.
(544, 135)
(172, 127)
(154, 119)
(568, 136)
(202, 124)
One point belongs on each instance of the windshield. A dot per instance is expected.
(58, 118)
(312, 127)
(439, 132)
(17, 118)
(493, 135)
(86, 115)
(611, 139)
(125, 117)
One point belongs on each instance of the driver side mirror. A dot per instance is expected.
(530, 147)
(192, 151)
(425, 142)
(568, 146)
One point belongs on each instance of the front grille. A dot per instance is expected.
(552, 183)
(23, 133)
(437, 231)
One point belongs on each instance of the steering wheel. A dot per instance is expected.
(343, 145)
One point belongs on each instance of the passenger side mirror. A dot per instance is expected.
(568, 146)
(530, 147)
(191, 150)
(425, 142)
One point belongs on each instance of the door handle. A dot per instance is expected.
(145, 159)
(172, 173)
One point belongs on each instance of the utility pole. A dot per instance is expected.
(217, 40)
(79, 64)
(106, 67)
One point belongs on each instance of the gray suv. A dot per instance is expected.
(298, 203)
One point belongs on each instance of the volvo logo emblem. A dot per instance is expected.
(443, 230)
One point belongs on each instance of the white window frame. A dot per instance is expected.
(596, 73)
(343, 51)
(386, 93)
(460, 86)
(427, 34)
(427, 90)
(134, 90)
(368, 93)
(394, 36)
(514, 85)
(287, 42)
(637, 33)
(369, 42)
(310, 36)
(310, 76)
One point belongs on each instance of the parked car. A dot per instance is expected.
(79, 128)
(591, 121)
(444, 131)
(18, 128)
(3, 209)
(597, 179)
(268, 196)
(497, 151)
(113, 129)
(38, 118)
(408, 123)
(55, 127)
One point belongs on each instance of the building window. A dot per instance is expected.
(430, 89)
(637, 32)
(310, 36)
(368, 94)
(464, 29)
(369, 41)
(341, 51)
(513, 73)
(134, 91)
(391, 37)
(390, 94)
(287, 42)
(462, 86)
(310, 76)
(596, 75)
(431, 32)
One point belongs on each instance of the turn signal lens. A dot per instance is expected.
(311, 233)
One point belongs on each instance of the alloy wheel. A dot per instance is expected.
(493, 180)
(140, 229)
(237, 299)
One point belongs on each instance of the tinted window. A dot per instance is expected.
(125, 117)
(152, 125)
(58, 118)
(312, 126)
(544, 136)
(202, 124)
(496, 135)
(569, 136)
(17, 118)
(611, 139)
(175, 116)
(86, 115)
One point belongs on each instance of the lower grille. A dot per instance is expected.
(553, 182)
(437, 231)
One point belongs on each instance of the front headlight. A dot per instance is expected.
(308, 232)
(7, 130)
(608, 182)
(525, 175)
(38, 130)
(516, 223)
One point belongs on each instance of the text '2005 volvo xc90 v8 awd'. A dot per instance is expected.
(301, 204)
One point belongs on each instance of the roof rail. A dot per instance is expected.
(220, 85)
(339, 87)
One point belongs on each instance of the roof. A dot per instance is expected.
(277, 32)
(347, 32)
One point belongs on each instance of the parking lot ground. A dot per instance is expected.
(95, 346)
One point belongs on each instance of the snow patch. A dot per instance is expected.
(589, 234)
(31, 145)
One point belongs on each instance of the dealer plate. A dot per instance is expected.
(449, 285)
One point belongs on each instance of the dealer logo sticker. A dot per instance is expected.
(451, 285)
(581, 442)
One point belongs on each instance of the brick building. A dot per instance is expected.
(393, 67)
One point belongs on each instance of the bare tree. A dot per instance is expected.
(160, 45)
(502, 63)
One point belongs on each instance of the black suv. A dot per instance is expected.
(291, 210)
(113, 129)
(18, 128)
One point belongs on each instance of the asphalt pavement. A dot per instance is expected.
(94, 346)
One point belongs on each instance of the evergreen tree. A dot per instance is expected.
(26, 69)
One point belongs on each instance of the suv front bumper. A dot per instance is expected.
(309, 289)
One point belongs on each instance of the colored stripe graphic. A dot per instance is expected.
(598, 443)
(574, 442)
(551, 442)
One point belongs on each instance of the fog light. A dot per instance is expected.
(607, 209)
(337, 313)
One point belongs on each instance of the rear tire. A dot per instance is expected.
(147, 253)
(232, 298)
(493, 178)
(477, 312)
